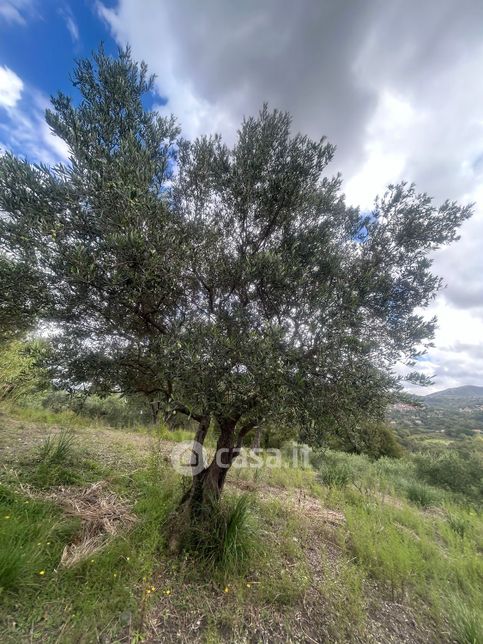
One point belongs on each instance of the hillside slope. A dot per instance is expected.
(342, 551)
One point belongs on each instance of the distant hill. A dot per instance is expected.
(469, 397)
(454, 413)
(467, 391)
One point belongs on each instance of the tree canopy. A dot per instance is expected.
(231, 284)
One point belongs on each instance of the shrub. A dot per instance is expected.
(334, 472)
(454, 471)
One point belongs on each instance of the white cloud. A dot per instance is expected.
(11, 87)
(70, 23)
(385, 148)
(14, 11)
(196, 114)
(23, 128)
(395, 86)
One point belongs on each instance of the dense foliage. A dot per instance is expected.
(233, 285)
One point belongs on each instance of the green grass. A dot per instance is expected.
(60, 461)
(466, 622)
(47, 416)
(98, 593)
(415, 542)
(32, 537)
(227, 540)
(420, 555)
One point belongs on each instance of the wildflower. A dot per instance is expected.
(148, 591)
(127, 558)
(42, 572)
(115, 574)
(92, 560)
(153, 588)
(249, 585)
(226, 589)
(167, 592)
(7, 516)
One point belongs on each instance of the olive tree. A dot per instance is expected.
(230, 284)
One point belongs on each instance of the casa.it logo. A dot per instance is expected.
(188, 458)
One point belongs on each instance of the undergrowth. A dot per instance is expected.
(227, 540)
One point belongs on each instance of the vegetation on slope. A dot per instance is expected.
(357, 549)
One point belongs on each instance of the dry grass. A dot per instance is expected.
(102, 513)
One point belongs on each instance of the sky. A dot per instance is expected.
(396, 85)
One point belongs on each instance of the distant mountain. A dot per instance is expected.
(467, 391)
(455, 413)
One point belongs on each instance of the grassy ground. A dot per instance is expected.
(342, 551)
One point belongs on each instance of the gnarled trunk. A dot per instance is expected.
(208, 480)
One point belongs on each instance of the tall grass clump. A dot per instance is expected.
(227, 540)
(421, 494)
(59, 461)
(466, 622)
(57, 450)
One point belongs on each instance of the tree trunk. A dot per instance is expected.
(155, 407)
(208, 481)
(256, 438)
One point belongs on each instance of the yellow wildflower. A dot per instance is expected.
(42, 572)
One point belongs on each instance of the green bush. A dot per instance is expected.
(452, 470)
(333, 469)
(111, 410)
